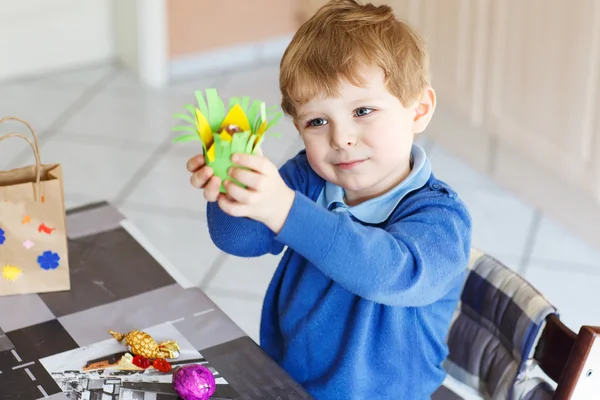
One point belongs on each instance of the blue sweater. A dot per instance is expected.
(358, 310)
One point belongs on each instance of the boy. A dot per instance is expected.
(377, 247)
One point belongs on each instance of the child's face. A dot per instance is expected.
(362, 139)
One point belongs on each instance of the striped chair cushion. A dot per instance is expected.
(495, 330)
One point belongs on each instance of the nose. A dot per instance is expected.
(343, 136)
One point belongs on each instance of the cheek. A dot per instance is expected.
(316, 153)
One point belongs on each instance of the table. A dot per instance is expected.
(117, 283)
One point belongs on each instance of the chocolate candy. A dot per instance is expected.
(231, 129)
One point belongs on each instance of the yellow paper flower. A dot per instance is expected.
(11, 273)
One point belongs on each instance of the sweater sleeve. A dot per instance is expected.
(244, 237)
(416, 260)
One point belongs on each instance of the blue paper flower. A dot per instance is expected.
(2, 237)
(48, 260)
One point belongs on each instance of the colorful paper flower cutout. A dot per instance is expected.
(238, 129)
(48, 260)
(2, 237)
(11, 272)
(28, 244)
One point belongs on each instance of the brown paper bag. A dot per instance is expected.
(33, 236)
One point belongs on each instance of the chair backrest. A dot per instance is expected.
(571, 360)
(495, 331)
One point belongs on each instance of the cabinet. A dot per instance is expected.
(457, 33)
(543, 76)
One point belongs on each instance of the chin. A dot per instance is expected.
(353, 186)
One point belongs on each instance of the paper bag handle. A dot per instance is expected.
(38, 164)
(35, 138)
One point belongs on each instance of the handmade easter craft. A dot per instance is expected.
(239, 130)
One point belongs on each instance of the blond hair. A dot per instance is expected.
(338, 39)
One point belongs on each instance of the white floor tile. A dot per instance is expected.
(571, 290)
(456, 172)
(183, 241)
(260, 83)
(251, 275)
(92, 171)
(75, 78)
(37, 105)
(167, 183)
(554, 244)
(501, 222)
(73, 200)
(124, 109)
(244, 312)
(113, 115)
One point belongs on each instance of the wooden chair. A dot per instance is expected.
(571, 360)
(516, 329)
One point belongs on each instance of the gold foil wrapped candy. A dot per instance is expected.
(142, 344)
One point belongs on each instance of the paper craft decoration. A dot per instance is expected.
(241, 130)
(143, 345)
(33, 237)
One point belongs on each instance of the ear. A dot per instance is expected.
(424, 110)
(297, 127)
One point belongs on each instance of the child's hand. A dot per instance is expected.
(266, 197)
(203, 178)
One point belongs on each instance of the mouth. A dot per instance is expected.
(350, 164)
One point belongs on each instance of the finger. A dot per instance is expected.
(255, 163)
(238, 193)
(199, 178)
(249, 178)
(231, 207)
(212, 189)
(195, 163)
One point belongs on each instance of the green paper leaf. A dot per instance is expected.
(253, 113)
(216, 109)
(272, 108)
(185, 117)
(239, 141)
(250, 145)
(276, 135)
(185, 128)
(201, 103)
(274, 120)
(186, 138)
(217, 144)
(233, 101)
(191, 109)
(258, 143)
(245, 103)
(262, 117)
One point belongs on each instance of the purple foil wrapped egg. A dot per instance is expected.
(194, 382)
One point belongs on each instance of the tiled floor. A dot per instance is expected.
(114, 141)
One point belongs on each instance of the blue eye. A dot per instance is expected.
(316, 122)
(361, 112)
